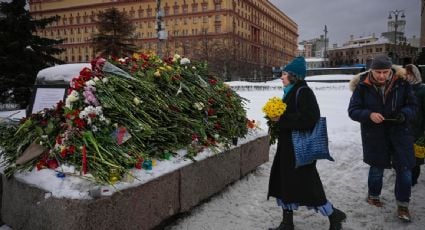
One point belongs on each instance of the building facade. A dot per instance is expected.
(314, 48)
(364, 49)
(242, 38)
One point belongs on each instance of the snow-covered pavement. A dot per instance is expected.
(244, 204)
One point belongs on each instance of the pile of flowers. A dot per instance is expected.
(123, 113)
(273, 109)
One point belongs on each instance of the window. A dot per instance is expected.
(195, 8)
(184, 9)
(217, 6)
(205, 19)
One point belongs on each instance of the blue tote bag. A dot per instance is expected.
(311, 145)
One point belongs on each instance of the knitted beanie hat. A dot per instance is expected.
(381, 62)
(296, 67)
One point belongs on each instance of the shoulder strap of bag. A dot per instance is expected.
(296, 96)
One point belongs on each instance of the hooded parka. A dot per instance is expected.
(390, 143)
(300, 185)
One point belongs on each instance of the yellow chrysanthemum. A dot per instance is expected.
(419, 151)
(136, 56)
(274, 107)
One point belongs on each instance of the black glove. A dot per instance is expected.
(400, 118)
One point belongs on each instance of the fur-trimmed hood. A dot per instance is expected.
(399, 71)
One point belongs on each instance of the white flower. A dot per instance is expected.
(136, 100)
(96, 79)
(105, 80)
(184, 61)
(85, 113)
(193, 67)
(71, 98)
(176, 57)
(216, 136)
(90, 83)
(198, 105)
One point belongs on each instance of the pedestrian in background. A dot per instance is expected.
(294, 187)
(413, 76)
(384, 104)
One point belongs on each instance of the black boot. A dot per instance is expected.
(336, 219)
(287, 221)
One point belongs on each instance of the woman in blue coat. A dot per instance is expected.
(383, 102)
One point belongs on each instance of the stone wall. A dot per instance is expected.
(142, 207)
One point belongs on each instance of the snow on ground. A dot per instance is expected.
(244, 204)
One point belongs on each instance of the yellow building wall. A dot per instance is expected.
(259, 32)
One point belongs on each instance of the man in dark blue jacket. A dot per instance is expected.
(383, 102)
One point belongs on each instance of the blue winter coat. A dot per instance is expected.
(387, 144)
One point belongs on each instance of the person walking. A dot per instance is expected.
(384, 104)
(293, 187)
(413, 76)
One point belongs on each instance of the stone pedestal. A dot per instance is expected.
(142, 207)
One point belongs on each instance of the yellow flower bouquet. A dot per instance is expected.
(419, 148)
(273, 109)
(419, 151)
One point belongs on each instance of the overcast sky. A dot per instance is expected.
(348, 17)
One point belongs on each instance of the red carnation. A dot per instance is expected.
(52, 163)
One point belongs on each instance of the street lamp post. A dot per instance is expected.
(325, 53)
(160, 28)
(396, 13)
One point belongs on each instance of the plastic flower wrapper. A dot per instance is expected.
(273, 109)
